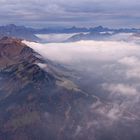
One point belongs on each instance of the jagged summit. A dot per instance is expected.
(10, 50)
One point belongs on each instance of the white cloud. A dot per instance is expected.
(131, 61)
(133, 66)
(55, 37)
(85, 50)
(121, 89)
(133, 73)
(112, 64)
(97, 57)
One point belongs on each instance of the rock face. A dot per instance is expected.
(32, 105)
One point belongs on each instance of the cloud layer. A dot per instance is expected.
(116, 64)
(86, 50)
(109, 72)
(116, 13)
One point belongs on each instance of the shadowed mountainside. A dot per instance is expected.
(35, 104)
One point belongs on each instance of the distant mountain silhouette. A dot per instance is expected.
(89, 36)
(23, 32)
(18, 31)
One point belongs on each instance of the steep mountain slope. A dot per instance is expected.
(39, 101)
(35, 103)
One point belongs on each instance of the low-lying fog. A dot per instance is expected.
(109, 70)
(52, 37)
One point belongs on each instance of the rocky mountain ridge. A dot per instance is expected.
(35, 103)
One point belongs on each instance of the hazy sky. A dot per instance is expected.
(37, 13)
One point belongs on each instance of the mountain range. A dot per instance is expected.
(26, 33)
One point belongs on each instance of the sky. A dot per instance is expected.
(81, 13)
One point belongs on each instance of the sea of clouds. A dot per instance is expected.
(109, 70)
(117, 63)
